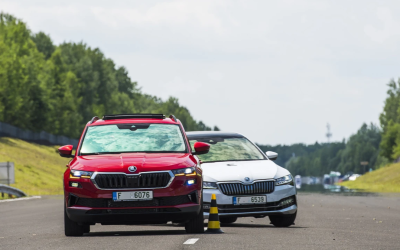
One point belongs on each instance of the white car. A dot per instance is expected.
(246, 181)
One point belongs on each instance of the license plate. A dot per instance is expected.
(133, 196)
(249, 200)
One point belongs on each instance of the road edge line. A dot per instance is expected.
(21, 199)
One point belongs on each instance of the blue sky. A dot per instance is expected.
(276, 71)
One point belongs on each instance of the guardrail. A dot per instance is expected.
(39, 137)
(4, 189)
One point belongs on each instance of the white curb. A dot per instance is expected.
(22, 199)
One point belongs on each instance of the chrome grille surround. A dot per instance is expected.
(93, 179)
(240, 188)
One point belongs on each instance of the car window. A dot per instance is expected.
(228, 149)
(133, 138)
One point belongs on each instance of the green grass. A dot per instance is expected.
(383, 180)
(38, 169)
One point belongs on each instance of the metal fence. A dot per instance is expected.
(38, 137)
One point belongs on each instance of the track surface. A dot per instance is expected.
(323, 222)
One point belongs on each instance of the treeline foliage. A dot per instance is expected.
(390, 123)
(286, 152)
(59, 88)
(319, 159)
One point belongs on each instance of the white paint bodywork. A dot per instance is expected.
(237, 171)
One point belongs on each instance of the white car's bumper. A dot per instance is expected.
(226, 208)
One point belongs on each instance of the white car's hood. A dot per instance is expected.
(239, 170)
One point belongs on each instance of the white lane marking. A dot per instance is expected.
(191, 241)
(22, 199)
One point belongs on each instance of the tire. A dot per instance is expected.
(283, 220)
(196, 225)
(227, 219)
(71, 228)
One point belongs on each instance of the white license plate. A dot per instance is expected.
(133, 196)
(249, 200)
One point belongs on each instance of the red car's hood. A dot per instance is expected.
(144, 162)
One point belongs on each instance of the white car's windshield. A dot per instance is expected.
(122, 138)
(228, 149)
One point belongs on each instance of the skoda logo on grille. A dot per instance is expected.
(132, 169)
(247, 179)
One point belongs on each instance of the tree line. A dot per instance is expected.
(58, 88)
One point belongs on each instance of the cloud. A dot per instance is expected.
(390, 29)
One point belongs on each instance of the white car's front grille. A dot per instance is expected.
(261, 187)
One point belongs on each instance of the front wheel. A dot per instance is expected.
(72, 228)
(196, 224)
(283, 220)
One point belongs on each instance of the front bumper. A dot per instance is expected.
(272, 207)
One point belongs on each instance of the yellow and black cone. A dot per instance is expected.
(213, 219)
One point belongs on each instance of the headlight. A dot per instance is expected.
(81, 174)
(184, 171)
(284, 180)
(207, 184)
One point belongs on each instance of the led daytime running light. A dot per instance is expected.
(81, 174)
(284, 180)
(185, 172)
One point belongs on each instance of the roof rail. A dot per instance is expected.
(173, 118)
(95, 118)
(134, 116)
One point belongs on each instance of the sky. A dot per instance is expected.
(275, 71)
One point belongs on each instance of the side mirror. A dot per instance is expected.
(271, 155)
(66, 151)
(201, 148)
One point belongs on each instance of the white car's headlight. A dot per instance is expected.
(207, 184)
(284, 180)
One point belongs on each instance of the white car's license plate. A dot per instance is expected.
(249, 200)
(133, 196)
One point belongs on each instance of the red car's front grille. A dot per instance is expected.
(143, 180)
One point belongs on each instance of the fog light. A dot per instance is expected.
(75, 184)
(191, 182)
(286, 202)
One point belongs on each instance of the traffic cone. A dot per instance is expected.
(213, 219)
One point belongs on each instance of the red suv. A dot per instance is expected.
(133, 169)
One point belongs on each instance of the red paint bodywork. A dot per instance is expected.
(143, 161)
(201, 147)
(65, 150)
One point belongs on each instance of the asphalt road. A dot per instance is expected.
(323, 222)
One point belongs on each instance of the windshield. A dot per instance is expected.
(228, 149)
(120, 138)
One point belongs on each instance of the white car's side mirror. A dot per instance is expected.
(271, 155)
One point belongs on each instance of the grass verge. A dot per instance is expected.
(383, 180)
(38, 169)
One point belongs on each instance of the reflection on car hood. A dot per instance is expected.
(144, 162)
(239, 170)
